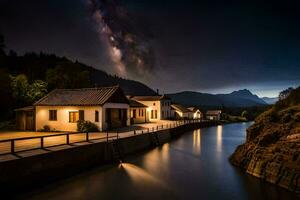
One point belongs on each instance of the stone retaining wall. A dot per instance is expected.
(24, 173)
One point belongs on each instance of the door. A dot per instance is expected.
(29, 125)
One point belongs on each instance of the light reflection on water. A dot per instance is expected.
(139, 175)
(197, 142)
(194, 166)
(219, 138)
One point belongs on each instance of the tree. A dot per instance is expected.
(6, 100)
(285, 93)
(2, 45)
(68, 75)
(36, 90)
(25, 93)
(19, 85)
(245, 114)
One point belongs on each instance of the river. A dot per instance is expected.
(194, 166)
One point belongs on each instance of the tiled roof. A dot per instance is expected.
(150, 98)
(180, 108)
(73, 97)
(135, 104)
(213, 112)
(193, 109)
(27, 108)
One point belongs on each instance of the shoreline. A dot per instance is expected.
(27, 173)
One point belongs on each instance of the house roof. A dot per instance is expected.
(150, 98)
(180, 108)
(135, 104)
(193, 109)
(82, 97)
(27, 108)
(213, 112)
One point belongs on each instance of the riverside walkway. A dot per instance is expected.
(16, 145)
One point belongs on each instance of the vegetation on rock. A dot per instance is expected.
(272, 146)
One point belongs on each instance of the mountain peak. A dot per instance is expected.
(242, 92)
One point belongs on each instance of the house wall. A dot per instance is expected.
(213, 117)
(165, 109)
(162, 106)
(62, 123)
(139, 118)
(152, 105)
(197, 115)
(21, 120)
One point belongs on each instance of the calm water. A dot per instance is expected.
(192, 167)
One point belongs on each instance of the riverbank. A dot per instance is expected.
(272, 149)
(28, 172)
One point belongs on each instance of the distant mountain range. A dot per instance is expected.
(269, 100)
(240, 98)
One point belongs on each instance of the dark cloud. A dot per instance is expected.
(192, 45)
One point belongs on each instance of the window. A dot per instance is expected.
(81, 115)
(163, 114)
(73, 117)
(134, 113)
(152, 116)
(155, 114)
(96, 116)
(141, 112)
(52, 115)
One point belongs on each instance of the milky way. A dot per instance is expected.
(129, 47)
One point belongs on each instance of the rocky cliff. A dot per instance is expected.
(272, 148)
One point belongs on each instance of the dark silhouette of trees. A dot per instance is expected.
(68, 75)
(285, 93)
(25, 93)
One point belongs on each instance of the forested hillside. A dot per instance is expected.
(26, 78)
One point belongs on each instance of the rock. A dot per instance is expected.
(272, 148)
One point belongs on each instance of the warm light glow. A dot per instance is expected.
(139, 175)
(219, 138)
(197, 142)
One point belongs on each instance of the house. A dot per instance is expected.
(181, 112)
(106, 107)
(137, 112)
(197, 114)
(158, 107)
(213, 114)
(25, 118)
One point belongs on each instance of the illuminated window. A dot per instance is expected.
(134, 114)
(155, 114)
(96, 116)
(73, 117)
(52, 115)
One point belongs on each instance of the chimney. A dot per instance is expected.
(157, 91)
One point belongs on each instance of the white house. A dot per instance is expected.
(197, 114)
(213, 114)
(158, 107)
(181, 112)
(107, 107)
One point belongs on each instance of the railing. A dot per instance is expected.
(18, 145)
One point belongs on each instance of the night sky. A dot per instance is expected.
(206, 46)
